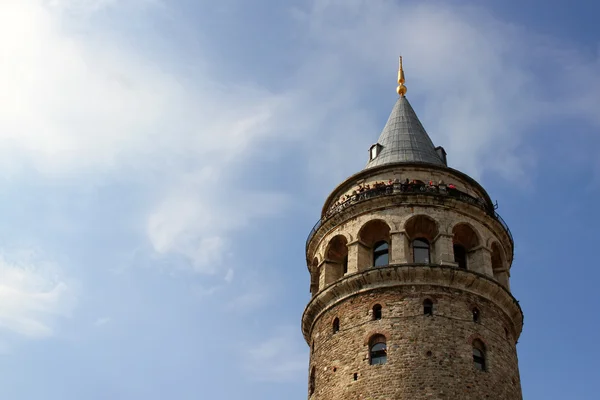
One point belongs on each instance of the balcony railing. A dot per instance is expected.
(408, 188)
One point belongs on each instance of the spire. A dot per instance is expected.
(401, 88)
(403, 138)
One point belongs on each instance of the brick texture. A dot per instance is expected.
(429, 357)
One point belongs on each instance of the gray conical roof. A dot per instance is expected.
(404, 139)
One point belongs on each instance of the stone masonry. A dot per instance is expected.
(428, 355)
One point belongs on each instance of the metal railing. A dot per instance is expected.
(407, 188)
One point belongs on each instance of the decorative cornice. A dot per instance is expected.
(411, 275)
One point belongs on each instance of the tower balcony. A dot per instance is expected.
(399, 194)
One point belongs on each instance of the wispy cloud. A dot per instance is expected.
(279, 358)
(101, 108)
(91, 6)
(34, 294)
(197, 216)
(479, 75)
(104, 108)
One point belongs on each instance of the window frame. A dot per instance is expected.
(374, 151)
(426, 246)
(464, 264)
(479, 355)
(336, 325)
(476, 315)
(378, 252)
(377, 312)
(378, 356)
(428, 307)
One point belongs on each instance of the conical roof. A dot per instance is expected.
(404, 139)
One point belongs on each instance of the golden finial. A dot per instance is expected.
(401, 88)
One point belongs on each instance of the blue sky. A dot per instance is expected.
(162, 162)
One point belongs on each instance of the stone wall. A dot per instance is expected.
(429, 357)
(396, 218)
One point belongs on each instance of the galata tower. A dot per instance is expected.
(410, 267)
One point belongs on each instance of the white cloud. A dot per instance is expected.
(33, 295)
(479, 76)
(71, 103)
(91, 6)
(83, 103)
(281, 357)
(198, 215)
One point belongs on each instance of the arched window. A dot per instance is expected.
(377, 311)
(427, 307)
(465, 242)
(460, 256)
(345, 265)
(421, 251)
(377, 350)
(335, 254)
(381, 254)
(479, 355)
(311, 382)
(336, 325)
(476, 315)
(375, 234)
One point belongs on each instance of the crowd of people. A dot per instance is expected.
(364, 191)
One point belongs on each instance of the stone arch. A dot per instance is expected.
(499, 268)
(377, 312)
(421, 230)
(372, 236)
(337, 248)
(373, 231)
(373, 333)
(335, 263)
(428, 307)
(466, 235)
(476, 336)
(421, 226)
(335, 325)
(466, 247)
(498, 262)
(480, 360)
(378, 349)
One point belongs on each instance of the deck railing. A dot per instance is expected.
(407, 188)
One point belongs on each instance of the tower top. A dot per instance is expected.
(403, 138)
(401, 88)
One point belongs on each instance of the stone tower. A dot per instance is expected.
(409, 269)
